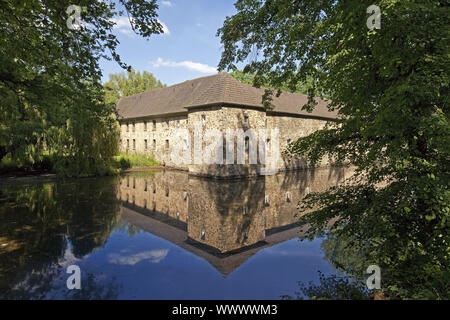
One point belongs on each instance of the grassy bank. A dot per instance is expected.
(126, 161)
(46, 164)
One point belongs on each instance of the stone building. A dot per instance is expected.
(151, 123)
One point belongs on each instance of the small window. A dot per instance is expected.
(245, 118)
(134, 127)
(145, 125)
(288, 196)
(266, 201)
(134, 144)
(154, 144)
(145, 145)
(203, 118)
(145, 185)
(145, 203)
(128, 127)
(128, 144)
(167, 144)
(167, 191)
(154, 125)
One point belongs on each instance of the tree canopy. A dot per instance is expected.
(248, 78)
(390, 87)
(51, 95)
(127, 84)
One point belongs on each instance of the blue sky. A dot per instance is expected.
(189, 48)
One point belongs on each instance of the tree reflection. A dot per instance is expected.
(39, 223)
(333, 287)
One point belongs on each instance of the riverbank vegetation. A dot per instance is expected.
(51, 95)
(48, 163)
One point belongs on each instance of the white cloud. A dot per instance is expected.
(155, 256)
(167, 3)
(123, 25)
(195, 66)
(165, 29)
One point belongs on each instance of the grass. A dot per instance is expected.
(125, 161)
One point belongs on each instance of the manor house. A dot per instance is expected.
(150, 123)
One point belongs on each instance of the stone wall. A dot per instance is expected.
(159, 137)
(290, 129)
(223, 119)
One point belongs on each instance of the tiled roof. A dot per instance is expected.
(219, 89)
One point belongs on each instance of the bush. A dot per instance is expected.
(124, 163)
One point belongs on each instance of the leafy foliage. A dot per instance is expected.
(333, 287)
(390, 87)
(51, 96)
(247, 78)
(123, 85)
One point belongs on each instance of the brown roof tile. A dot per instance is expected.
(220, 88)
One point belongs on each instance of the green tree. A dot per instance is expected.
(51, 95)
(390, 87)
(248, 78)
(127, 84)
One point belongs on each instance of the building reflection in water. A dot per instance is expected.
(224, 222)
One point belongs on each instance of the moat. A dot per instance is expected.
(159, 235)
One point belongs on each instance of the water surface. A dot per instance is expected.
(159, 235)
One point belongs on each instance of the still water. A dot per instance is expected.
(159, 235)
